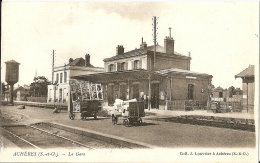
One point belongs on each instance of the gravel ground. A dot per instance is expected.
(163, 134)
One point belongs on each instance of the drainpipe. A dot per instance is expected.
(171, 88)
(247, 96)
(149, 91)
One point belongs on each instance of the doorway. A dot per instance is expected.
(155, 95)
(110, 94)
(190, 91)
(123, 91)
(136, 91)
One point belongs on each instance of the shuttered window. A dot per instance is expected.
(140, 64)
(65, 77)
(111, 68)
(136, 64)
(60, 77)
(57, 78)
(118, 66)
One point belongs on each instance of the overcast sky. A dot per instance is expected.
(223, 37)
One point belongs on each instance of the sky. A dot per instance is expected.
(223, 37)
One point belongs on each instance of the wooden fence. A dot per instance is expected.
(186, 105)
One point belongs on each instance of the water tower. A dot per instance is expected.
(12, 76)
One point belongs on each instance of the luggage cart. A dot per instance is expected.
(134, 114)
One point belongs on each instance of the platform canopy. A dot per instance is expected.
(117, 76)
(248, 72)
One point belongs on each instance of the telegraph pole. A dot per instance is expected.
(154, 37)
(152, 65)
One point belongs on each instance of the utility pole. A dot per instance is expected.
(154, 37)
(154, 55)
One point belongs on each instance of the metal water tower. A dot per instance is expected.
(12, 76)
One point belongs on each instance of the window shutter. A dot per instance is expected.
(126, 65)
(118, 66)
(107, 67)
(140, 64)
(133, 64)
(115, 67)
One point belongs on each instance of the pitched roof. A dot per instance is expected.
(26, 88)
(139, 52)
(180, 71)
(12, 61)
(218, 89)
(248, 72)
(79, 62)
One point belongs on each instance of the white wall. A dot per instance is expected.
(129, 61)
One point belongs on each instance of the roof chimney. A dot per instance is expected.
(119, 50)
(70, 60)
(143, 45)
(169, 43)
(87, 60)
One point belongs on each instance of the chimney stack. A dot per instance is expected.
(87, 60)
(143, 44)
(70, 60)
(119, 50)
(169, 43)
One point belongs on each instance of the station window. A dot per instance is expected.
(111, 68)
(60, 77)
(137, 64)
(123, 66)
(57, 78)
(65, 77)
(190, 91)
(119, 68)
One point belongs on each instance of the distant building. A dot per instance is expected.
(59, 90)
(164, 77)
(227, 95)
(22, 92)
(248, 86)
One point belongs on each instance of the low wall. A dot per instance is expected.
(42, 105)
(37, 99)
(186, 105)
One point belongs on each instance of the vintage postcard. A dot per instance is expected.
(129, 81)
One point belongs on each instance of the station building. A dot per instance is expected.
(157, 74)
(58, 91)
(248, 87)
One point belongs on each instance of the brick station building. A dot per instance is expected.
(163, 79)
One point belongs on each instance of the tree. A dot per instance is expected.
(39, 87)
(3, 88)
(232, 91)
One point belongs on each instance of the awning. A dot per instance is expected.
(248, 72)
(117, 76)
(181, 72)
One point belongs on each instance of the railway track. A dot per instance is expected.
(43, 136)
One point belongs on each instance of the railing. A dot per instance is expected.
(237, 99)
(186, 105)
